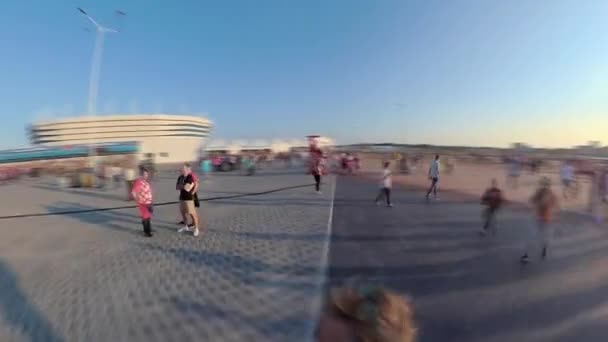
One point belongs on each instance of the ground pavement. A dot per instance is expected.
(255, 276)
(465, 288)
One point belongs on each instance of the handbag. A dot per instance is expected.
(197, 203)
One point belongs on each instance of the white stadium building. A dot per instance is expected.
(165, 138)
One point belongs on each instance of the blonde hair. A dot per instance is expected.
(376, 314)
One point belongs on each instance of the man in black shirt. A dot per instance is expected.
(186, 187)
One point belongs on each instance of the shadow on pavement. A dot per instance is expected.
(108, 219)
(19, 312)
(281, 236)
(97, 193)
(276, 202)
(246, 270)
(279, 328)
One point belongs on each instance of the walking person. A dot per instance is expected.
(316, 156)
(385, 185)
(545, 205)
(434, 177)
(567, 175)
(492, 199)
(316, 173)
(142, 194)
(186, 187)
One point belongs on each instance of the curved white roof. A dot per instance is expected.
(123, 117)
(114, 128)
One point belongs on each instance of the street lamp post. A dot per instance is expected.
(95, 72)
(96, 62)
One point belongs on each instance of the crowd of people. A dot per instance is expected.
(355, 313)
(544, 200)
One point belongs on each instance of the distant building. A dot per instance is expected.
(164, 138)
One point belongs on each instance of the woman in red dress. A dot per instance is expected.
(142, 193)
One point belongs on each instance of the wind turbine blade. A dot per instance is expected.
(120, 12)
(93, 21)
(89, 17)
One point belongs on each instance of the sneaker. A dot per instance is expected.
(195, 232)
(181, 223)
(183, 229)
(390, 205)
(525, 259)
(147, 234)
(319, 193)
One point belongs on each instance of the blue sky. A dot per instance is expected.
(478, 72)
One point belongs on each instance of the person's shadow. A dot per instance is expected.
(19, 312)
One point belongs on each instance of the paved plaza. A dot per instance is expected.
(259, 272)
(255, 276)
(463, 287)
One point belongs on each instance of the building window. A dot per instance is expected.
(164, 154)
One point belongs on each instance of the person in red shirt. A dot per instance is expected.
(142, 193)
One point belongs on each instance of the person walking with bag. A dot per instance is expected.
(142, 194)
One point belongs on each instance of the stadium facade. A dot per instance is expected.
(164, 138)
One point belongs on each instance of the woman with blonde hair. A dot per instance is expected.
(366, 314)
